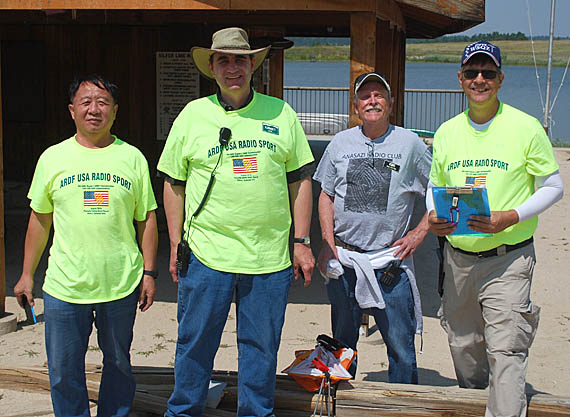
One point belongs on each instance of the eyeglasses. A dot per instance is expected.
(471, 74)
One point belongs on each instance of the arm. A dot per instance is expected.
(550, 190)
(413, 239)
(301, 195)
(148, 242)
(174, 210)
(326, 217)
(37, 236)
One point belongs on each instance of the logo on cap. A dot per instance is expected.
(482, 47)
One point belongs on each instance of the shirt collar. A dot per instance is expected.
(229, 107)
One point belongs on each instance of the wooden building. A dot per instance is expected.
(45, 42)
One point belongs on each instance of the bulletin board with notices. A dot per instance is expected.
(177, 83)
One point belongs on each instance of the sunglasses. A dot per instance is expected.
(470, 74)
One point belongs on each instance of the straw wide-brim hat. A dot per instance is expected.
(228, 41)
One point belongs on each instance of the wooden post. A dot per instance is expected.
(2, 254)
(276, 74)
(400, 49)
(377, 45)
(362, 53)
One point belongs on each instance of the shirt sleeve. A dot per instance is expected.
(436, 175)
(39, 193)
(300, 153)
(540, 160)
(326, 171)
(171, 161)
(145, 200)
(423, 166)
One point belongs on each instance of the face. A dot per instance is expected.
(93, 109)
(479, 89)
(232, 72)
(373, 103)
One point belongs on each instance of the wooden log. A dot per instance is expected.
(382, 399)
(285, 399)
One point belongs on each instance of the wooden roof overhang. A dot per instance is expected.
(419, 18)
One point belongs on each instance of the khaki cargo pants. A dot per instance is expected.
(491, 323)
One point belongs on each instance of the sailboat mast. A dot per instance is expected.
(549, 68)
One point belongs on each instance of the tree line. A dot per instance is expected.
(493, 36)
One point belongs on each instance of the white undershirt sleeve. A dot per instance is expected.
(550, 190)
(430, 205)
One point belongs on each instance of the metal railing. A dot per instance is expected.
(427, 109)
(324, 111)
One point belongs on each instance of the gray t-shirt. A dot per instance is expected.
(374, 184)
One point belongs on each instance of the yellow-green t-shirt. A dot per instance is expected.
(504, 158)
(94, 195)
(244, 224)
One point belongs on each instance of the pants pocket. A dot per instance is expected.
(525, 321)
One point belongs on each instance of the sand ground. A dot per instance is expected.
(308, 315)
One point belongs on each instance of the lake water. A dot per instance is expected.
(520, 88)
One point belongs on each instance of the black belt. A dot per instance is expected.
(340, 243)
(501, 250)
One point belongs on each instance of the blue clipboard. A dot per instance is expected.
(457, 204)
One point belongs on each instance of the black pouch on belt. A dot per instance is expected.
(392, 273)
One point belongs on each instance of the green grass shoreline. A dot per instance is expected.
(513, 52)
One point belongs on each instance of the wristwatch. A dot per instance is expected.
(153, 274)
(304, 240)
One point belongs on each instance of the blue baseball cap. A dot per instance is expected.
(482, 47)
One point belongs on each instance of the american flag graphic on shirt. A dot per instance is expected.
(245, 165)
(476, 181)
(96, 198)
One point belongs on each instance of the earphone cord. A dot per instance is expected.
(208, 189)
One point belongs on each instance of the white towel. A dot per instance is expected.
(367, 291)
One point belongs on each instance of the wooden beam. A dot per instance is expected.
(456, 9)
(390, 10)
(302, 5)
(358, 398)
(362, 53)
(57, 5)
(2, 235)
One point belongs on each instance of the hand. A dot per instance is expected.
(498, 221)
(24, 287)
(409, 243)
(440, 227)
(147, 292)
(303, 261)
(326, 254)
(172, 263)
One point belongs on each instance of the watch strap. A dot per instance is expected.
(304, 240)
(153, 274)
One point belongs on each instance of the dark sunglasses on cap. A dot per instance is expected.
(471, 74)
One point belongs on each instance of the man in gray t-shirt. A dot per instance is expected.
(370, 176)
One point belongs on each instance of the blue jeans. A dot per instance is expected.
(397, 322)
(67, 331)
(204, 300)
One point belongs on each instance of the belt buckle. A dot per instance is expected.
(502, 250)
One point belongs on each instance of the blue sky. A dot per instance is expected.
(507, 16)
